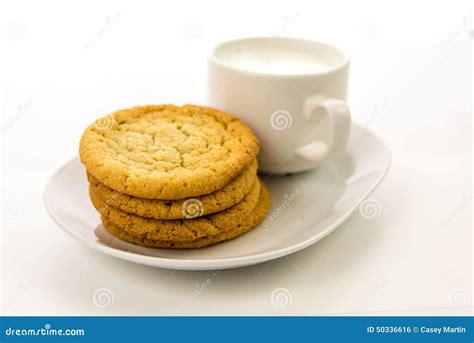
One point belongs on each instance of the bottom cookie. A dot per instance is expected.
(258, 214)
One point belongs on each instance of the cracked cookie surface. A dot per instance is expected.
(167, 152)
(229, 195)
(178, 229)
(258, 214)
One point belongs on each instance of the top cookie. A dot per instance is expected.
(167, 152)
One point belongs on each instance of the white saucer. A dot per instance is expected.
(306, 207)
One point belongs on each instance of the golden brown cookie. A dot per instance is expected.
(167, 152)
(258, 214)
(180, 229)
(190, 208)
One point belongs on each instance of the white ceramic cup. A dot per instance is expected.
(291, 92)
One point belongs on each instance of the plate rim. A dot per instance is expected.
(215, 263)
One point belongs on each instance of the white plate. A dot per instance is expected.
(306, 207)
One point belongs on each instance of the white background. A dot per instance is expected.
(63, 64)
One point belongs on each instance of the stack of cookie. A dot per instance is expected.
(174, 177)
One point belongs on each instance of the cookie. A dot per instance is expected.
(181, 229)
(167, 152)
(190, 208)
(258, 214)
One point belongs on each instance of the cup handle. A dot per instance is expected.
(316, 109)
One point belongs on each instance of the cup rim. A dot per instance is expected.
(345, 59)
